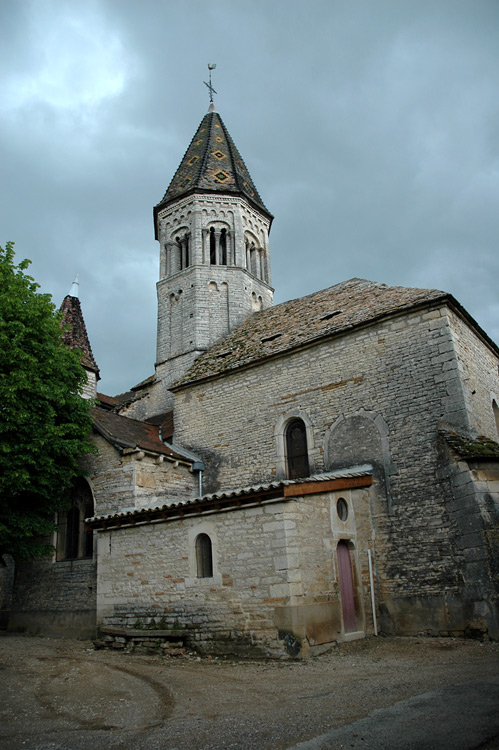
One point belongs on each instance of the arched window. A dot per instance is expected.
(204, 556)
(223, 247)
(213, 247)
(183, 251)
(296, 449)
(74, 541)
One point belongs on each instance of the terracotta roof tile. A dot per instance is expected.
(269, 490)
(302, 321)
(164, 422)
(124, 432)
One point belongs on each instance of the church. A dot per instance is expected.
(291, 475)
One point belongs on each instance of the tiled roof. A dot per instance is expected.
(302, 321)
(236, 497)
(469, 447)
(212, 164)
(164, 422)
(75, 335)
(124, 432)
(115, 403)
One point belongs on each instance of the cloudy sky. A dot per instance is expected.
(370, 127)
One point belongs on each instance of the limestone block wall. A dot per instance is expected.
(135, 480)
(201, 303)
(274, 588)
(313, 615)
(401, 377)
(90, 388)
(398, 369)
(479, 368)
(150, 571)
(474, 510)
(55, 598)
(111, 478)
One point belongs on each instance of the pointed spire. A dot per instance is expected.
(75, 286)
(212, 164)
(74, 329)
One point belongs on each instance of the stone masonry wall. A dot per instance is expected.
(59, 597)
(55, 598)
(479, 366)
(150, 571)
(275, 586)
(136, 480)
(402, 373)
(473, 508)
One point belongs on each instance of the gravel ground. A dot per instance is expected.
(63, 694)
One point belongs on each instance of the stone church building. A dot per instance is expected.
(291, 475)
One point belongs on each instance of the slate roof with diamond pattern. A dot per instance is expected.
(212, 164)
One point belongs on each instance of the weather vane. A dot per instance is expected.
(211, 66)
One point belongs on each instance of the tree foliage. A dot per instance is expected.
(44, 421)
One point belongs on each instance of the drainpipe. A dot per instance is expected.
(199, 467)
(371, 580)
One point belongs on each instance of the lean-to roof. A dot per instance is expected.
(278, 490)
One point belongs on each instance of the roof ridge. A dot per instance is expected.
(305, 321)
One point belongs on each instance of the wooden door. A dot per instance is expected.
(346, 587)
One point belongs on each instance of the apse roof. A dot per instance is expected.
(305, 320)
(75, 333)
(212, 164)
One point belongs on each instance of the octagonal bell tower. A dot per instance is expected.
(213, 231)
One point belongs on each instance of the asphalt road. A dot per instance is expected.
(458, 717)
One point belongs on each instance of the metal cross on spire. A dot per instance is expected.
(211, 66)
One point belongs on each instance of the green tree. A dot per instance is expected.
(44, 421)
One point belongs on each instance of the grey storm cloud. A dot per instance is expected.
(371, 130)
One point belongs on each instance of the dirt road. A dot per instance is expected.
(63, 694)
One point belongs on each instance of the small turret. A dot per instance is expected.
(76, 337)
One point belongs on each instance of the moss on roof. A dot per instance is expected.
(469, 447)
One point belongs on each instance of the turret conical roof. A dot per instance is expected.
(212, 164)
(75, 332)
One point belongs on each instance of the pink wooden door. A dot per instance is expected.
(346, 587)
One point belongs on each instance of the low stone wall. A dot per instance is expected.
(165, 642)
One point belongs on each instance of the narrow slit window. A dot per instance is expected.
(223, 247)
(213, 248)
